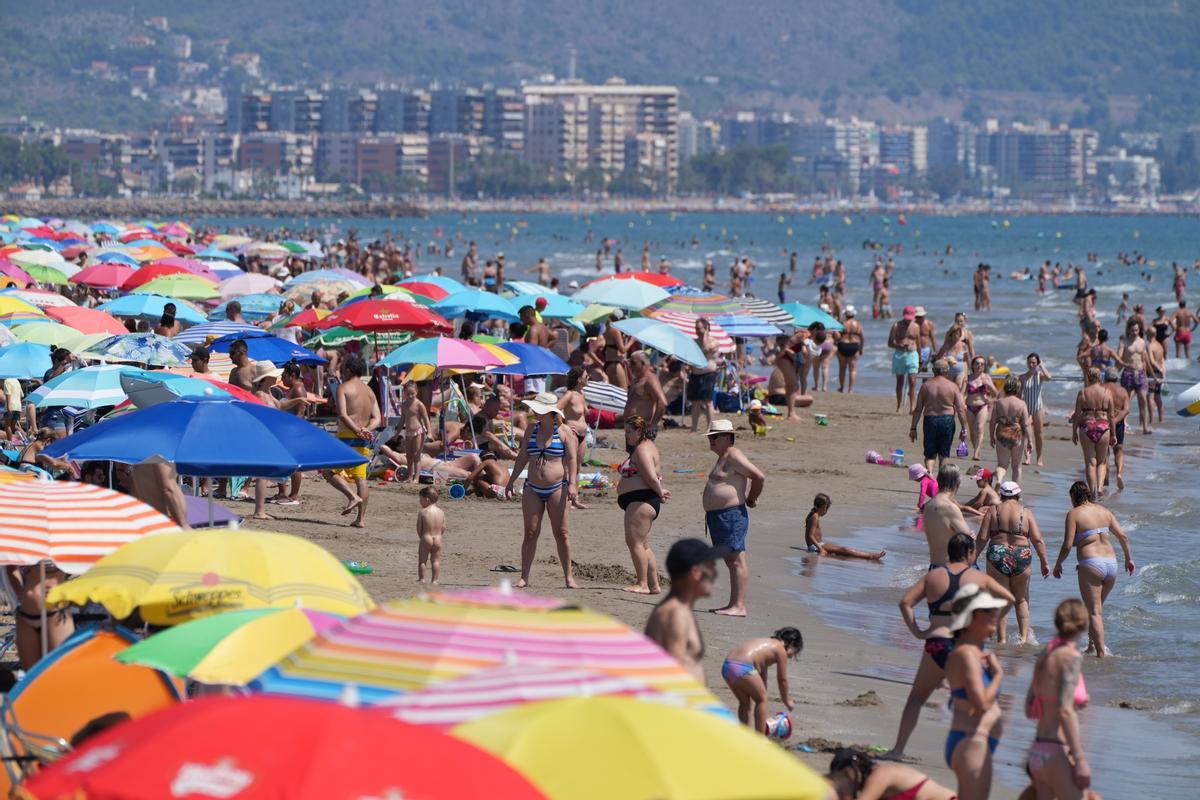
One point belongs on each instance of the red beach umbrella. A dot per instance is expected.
(655, 278)
(385, 315)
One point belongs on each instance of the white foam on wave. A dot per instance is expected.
(1182, 707)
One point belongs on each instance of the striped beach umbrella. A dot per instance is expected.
(747, 327)
(685, 323)
(655, 278)
(694, 301)
(409, 644)
(197, 334)
(14, 311)
(41, 298)
(491, 690)
(765, 310)
(73, 524)
(605, 396)
(90, 387)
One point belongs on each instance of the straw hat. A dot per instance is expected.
(543, 403)
(970, 599)
(720, 426)
(263, 370)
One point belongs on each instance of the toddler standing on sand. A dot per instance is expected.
(431, 526)
(928, 486)
(813, 538)
(745, 672)
(414, 418)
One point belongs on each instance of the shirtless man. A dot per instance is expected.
(983, 289)
(1135, 356)
(926, 337)
(242, 374)
(358, 418)
(543, 271)
(734, 485)
(646, 398)
(784, 385)
(903, 339)
(469, 276)
(155, 485)
(1184, 322)
(1121, 407)
(939, 401)
(943, 517)
(691, 569)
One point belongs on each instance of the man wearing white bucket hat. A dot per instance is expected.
(734, 485)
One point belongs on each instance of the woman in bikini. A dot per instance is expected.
(820, 363)
(616, 346)
(974, 674)
(1010, 430)
(1009, 537)
(937, 588)
(1093, 415)
(1031, 392)
(1056, 762)
(854, 774)
(551, 482)
(850, 343)
(745, 672)
(955, 346)
(1083, 351)
(980, 393)
(574, 408)
(640, 494)
(30, 586)
(1088, 526)
(1101, 355)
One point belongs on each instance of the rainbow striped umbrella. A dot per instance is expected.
(409, 644)
(694, 301)
(685, 323)
(73, 524)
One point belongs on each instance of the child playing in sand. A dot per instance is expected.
(928, 486)
(745, 672)
(414, 419)
(812, 534)
(431, 526)
(754, 415)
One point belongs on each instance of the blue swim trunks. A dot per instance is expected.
(905, 362)
(728, 527)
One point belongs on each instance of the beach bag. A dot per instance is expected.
(728, 402)
(962, 451)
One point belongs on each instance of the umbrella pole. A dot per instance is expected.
(467, 409)
(42, 603)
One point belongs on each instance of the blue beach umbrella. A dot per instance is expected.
(662, 337)
(476, 304)
(90, 387)
(141, 348)
(213, 254)
(146, 388)
(119, 257)
(529, 288)
(150, 306)
(804, 316)
(632, 294)
(535, 360)
(24, 360)
(327, 275)
(254, 306)
(746, 327)
(262, 346)
(197, 334)
(211, 437)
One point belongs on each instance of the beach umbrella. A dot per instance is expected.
(91, 387)
(803, 316)
(87, 320)
(665, 339)
(254, 306)
(747, 327)
(149, 273)
(150, 251)
(51, 333)
(24, 360)
(140, 348)
(150, 307)
(430, 291)
(568, 748)
(192, 265)
(231, 648)
(317, 275)
(449, 285)
(306, 250)
(212, 437)
(187, 286)
(104, 275)
(269, 251)
(685, 323)
(7, 338)
(594, 313)
(489, 691)
(529, 288)
(1189, 401)
(655, 278)
(476, 304)
(198, 334)
(247, 283)
(534, 360)
(632, 295)
(176, 576)
(765, 310)
(445, 353)
(50, 276)
(70, 523)
(11, 270)
(262, 346)
(386, 290)
(339, 336)
(114, 257)
(14, 311)
(36, 258)
(386, 315)
(145, 388)
(693, 301)
(213, 254)
(308, 318)
(408, 644)
(605, 397)
(266, 748)
(39, 298)
(329, 289)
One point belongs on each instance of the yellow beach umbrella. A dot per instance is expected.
(173, 577)
(568, 748)
(182, 285)
(594, 312)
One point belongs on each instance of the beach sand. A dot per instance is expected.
(848, 690)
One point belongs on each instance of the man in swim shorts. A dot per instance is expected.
(905, 360)
(926, 336)
(733, 486)
(939, 401)
(358, 418)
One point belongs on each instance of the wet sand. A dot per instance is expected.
(848, 690)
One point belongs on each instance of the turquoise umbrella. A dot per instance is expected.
(663, 338)
(476, 304)
(150, 306)
(632, 295)
(804, 316)
(24, 360)
(90, 387)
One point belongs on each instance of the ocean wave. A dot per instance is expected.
(1166, 584)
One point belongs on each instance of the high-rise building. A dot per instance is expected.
(349, 110)
(277, 152)
(575, 126)
(449, 155)
(403, 111)
(404, 155)
(504, 119)
(952, 144)
(296, 110)
(905, 147)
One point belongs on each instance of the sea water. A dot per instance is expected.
(1152, 618)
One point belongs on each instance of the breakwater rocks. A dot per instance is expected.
(198, 207)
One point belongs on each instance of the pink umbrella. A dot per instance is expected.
(191, 265)
(13, 271)
(103, 275)
(250, 283)
(87, 320)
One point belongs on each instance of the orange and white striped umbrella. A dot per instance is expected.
(685, 323)
(72, 524)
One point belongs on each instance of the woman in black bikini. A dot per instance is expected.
(616, 346)
(1011, 535)
(30, 586)
(937, 588)
(1093, 415)
(640, 494)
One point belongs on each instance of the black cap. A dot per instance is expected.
(688, 553)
